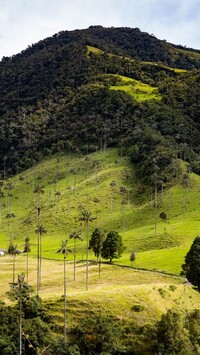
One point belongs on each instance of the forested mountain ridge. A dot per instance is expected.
(57, 95)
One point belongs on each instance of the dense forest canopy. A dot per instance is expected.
(57, 95)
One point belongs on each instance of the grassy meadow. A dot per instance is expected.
(73, 183)
(137, 89)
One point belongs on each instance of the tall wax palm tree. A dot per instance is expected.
(12, 250)
(64, 250)
(40, 231)
(18, 286)
(112, 185)
(75, 236)
(39, 190)
(123, 202)
(154, 179)
(18, 289)
(27, 250)
(86, 218)
(57, 197)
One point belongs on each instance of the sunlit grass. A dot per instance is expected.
(160, 65)
(137, 89)
(158, 244)
(94, 50)
(115, 292)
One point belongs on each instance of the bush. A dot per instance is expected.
(137, 308)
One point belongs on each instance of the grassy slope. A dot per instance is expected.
(116, 292)
(118, 289)
(135, 219)
(137, 89)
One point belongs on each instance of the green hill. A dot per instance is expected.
(73, 183)
(104, 120)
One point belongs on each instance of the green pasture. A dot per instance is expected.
(115, 292)
(137, 89)
(94, 50)
(83, 183)
(176, 70)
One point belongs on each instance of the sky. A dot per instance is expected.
(24, 22)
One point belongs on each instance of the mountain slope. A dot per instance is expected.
(74, 183)
(55, 95)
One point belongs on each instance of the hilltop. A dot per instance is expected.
(60, 94)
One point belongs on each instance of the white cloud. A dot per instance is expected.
(23, 22)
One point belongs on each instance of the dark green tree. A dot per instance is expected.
(163, 216)
(99, 335)
(132, 257)
(112, 247)
(96, 243)
(178, 333)
(32, 321)
(191, 268)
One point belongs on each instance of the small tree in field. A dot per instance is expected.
(96, 243)
(112, 247)
(191, 268)
(132, 257)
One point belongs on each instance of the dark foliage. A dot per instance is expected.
(36, 331)
(191, 268)
(112, 247)
(55, 96)
(178, 333)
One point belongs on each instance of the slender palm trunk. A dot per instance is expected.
(39, 246)
(13, 269)
(155, 208)
(82, 249)
(87, 258)
(99, 267)
(74, 259)
(65, 289)
(38, 262)
(20, 323)
(40, 270)
(27, 266)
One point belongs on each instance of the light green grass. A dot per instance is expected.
(188, 53)
(155, 242)
(115, 292)
(94, 50)
(160, 249)
(137, 89)
(160, 65)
